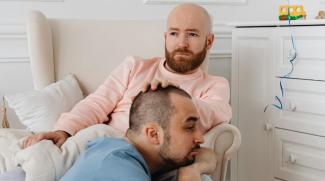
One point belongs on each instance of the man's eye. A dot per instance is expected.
(173, 33)
(190, 129)
(193, 34)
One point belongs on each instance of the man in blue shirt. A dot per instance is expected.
(163, 135)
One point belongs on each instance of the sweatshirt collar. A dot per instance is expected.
(175, 76)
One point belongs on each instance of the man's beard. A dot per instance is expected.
(183, 65)
(170, 162)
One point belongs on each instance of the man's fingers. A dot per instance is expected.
(45, 136)
(28, 142)
(32, 141)
(60, 142)
(154, 84)
(165, 83)
(25, 141)
(145, 87)
(37, 138)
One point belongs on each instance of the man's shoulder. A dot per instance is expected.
(123, 158)
(215, 78)
(115, 147)
(116, 159)
(103, 142)
(139, 64)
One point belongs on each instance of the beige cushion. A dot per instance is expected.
(87, 48)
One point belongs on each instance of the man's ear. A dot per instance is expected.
(210, 39)
(153, 133)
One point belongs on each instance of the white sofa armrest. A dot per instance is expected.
(225, 140)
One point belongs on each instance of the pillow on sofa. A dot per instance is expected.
(38, 110)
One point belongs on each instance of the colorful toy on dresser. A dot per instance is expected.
(292, 12)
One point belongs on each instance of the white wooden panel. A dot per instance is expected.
(299, 157)
(221, 44)
(13, 47)
(220, 65)
(14, 61)
(222, 38)
(251, 73)
(13, 43)
(14, 77)
(15, 73)
(220, 53)
(12, 28)
(310, 43)
(304, 103)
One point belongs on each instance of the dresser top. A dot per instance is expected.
(315, 22)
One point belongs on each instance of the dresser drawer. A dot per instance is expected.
(298, 156)
(304, 107)
(310, 44)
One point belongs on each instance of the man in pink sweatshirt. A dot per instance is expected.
(188, 38)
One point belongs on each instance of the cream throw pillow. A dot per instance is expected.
(38, 110)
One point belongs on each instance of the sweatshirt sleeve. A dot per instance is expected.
(213, 105)
(95, 108)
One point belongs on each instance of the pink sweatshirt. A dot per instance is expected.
(112, 100)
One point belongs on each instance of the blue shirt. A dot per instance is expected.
(109, 159)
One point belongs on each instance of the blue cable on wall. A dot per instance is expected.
(279, 103)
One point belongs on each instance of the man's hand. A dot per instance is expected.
(188, 173)
(58, 138)
(155, 83)
(206, 161)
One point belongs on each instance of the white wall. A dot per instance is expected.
(15, 75)
(136, 9)
(130, 9)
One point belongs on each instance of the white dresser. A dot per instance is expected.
(287, 144)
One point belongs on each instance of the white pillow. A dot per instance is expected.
(44, 161)
(39, 110)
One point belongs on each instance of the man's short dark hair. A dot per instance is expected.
(153, 106)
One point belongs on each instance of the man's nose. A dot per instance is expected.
(199, 139)
(183, 41)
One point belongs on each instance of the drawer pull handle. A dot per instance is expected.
(292, 106)
(292, 158)
(268, 127)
